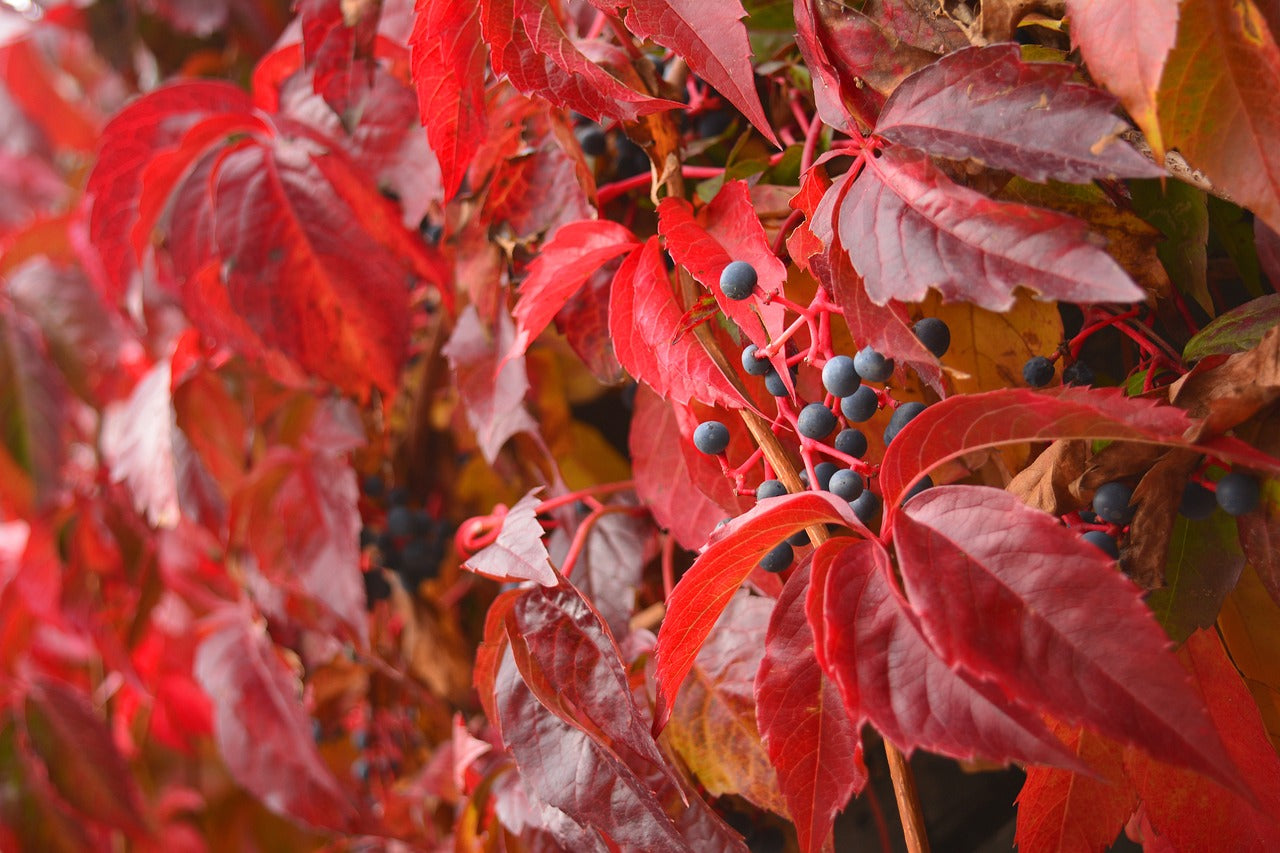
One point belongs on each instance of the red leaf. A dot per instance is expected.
(574, 773)
(1062, 810)
(668, 481)
(705, 589)
(80, 756)
(563, 265)
(149, 124)
(137, 446)
(712, 39)
(1192, 813)
(827, 90)
(448, 74)
(527, 43)
(908, 228)
(812, 743)
(1125, 45)
(644, 318)
(1030, 118)
(572, 664)
(34, 403)
(889, 676)
(200, 18)
(263, 733)
(610, 568)
(1016, 415)
(1012, 596)
(584, 321)
(518, 554)
(337, 43)
(728, 230)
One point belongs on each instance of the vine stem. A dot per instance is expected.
(904, 788)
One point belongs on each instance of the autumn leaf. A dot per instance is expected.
(518, 552)
(1237, 330)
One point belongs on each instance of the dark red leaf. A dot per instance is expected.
(712, 39)
(337, 44)
(574, 773)
(34, 403)
(827, 90)
(706, 588)
(492, 387)
(1017, 415)
(563, 265)
(80, 756)
(263, 732)
(1009, 594)
(200, 18)
(644, 318)
(908, 228)
(1029, 118)
(448, 73)
(1237, 330)
(572, 664)
(610, 567)
(518, 554)
(674, 486)
(527, 44)
(868, 59)
(584, 321)
(891, 677)
(812, 743)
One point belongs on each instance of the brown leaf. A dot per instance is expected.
(1116, 461)
(1233, 391)
(1156, 499)
(1046, 484)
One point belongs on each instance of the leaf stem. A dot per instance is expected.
(904, 788)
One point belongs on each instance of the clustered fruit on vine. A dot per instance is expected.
(1038, 371)
(411, 542)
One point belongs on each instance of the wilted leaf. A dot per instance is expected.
(1046, 483)
(908, 229)
(1010, 595)
(518, 553)
(812, 743)
(1030, 118)
(889, 676)
(1230, 393)
(1237, 330)
(1219, 100)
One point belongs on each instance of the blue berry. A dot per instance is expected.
(1103, 542)
(1037, 372)
(926, 482)
(798, 539)
(752, 365)
(851, 441)
(815, 421)
(1111, 503)
(846, 484)
(934, 334)
(902, 416)
(1238, 493)
(1078, 374)
(779, 558)
(400, 521)
(860, 406)
(770, 489)
(773, 383)
(711, 437)
(738, 280)
(866, 506)
(1198, 503)
(840, 377)
(824, 472)
(872, 366)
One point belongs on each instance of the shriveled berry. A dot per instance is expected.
(902, 416)
(770, 489)
(860, 406)
(1078, 373)
(851, 441)
(738, 280)
(779, 558)
(752, 365)
(1103, 542)
(934, 334)
(1038, 371)
(1238, 493)
(872, 366)
(1111, 502)
(815, 421)
(846, 484)
(866, 506)
(840, 377)
(711, 437)
(1198, 503)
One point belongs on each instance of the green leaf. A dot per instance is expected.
(1238, 330)
(1203, 566)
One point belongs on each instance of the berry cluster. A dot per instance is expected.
(831, 442)
(412, 542)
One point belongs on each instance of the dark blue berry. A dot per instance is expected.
(752, 365)
(798, 539)
(872, 366)
(815, 421)
(824, 472)
(1078, 373)
(399, 496)
(1238, 493)
(902, 416)
(1103, 542)
(711, 437)
(1111, 503)
(860, 406)
(1037, 372)
(400, 521)
(738, 280)
(374, 486)
(934, 334)
(925, 482)
(840, 377)
(846, 484)
(851, 441)
(1198, 503)
(779, 558)
(866, 506)
(773, 383)
(770, 489)
(592, 139)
